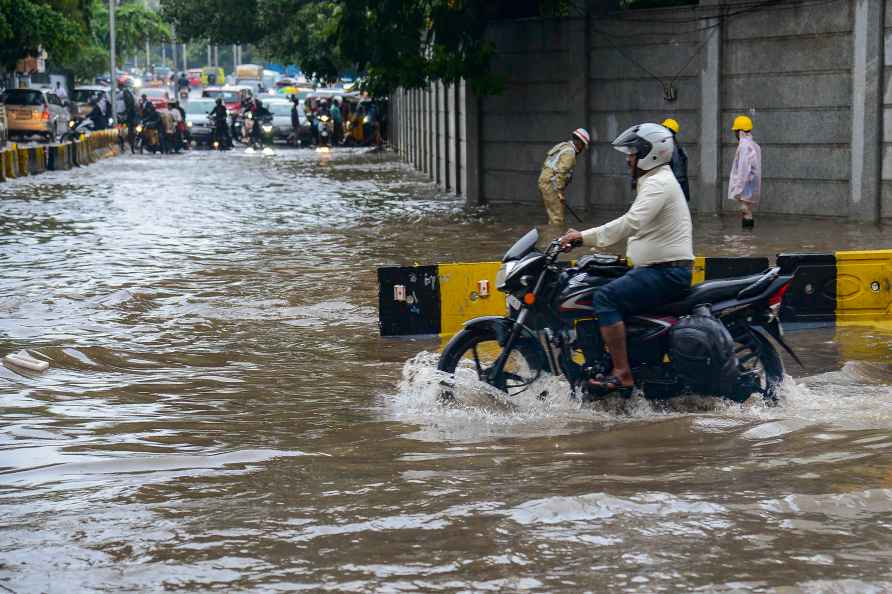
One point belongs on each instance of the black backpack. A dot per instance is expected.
(702, 353)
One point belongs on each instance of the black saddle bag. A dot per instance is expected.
(702, 353)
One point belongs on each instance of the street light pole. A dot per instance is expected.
(113, 72)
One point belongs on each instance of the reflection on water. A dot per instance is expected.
(220, 413)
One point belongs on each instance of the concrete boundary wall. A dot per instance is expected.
(813, 75)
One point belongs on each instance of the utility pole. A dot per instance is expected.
(234, 57)
(148, 49)
(113, 83)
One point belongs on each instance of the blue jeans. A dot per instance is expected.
(638, 290)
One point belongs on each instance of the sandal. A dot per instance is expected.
(610, 383)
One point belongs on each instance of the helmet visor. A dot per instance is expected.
(630, 143)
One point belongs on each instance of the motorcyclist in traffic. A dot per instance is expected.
(261, 114)
(182, 83)
(180, 140)
(221, 131)
(100, 120)
(660, 246)
(151, 122)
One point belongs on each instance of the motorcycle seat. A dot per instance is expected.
(708, 292)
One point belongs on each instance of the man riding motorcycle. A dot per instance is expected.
(152, 129)
(183, 84)
(260, 115)
(221, 131)
(660, 246)
(97, 115)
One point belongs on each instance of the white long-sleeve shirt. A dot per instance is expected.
(658, 224)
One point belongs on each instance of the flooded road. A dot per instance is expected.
(221, 415)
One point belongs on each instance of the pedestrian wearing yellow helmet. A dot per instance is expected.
(745, 181)
(679, 161)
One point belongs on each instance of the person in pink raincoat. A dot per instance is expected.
(745, 183)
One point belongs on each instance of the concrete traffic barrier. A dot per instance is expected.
(37, 159)
(863, 286)
(811, 297)
(439, 299)
(16, 161)
(21, 162)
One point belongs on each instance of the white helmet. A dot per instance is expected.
(652, 143)
(582, 134)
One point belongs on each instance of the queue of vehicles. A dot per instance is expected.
(293, 111)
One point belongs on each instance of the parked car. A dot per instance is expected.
(159, 97)
(35, 111)
(197, 111)
(81, 96)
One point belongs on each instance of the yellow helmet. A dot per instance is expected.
(742, 122)
(671, 124)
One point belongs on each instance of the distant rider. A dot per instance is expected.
(660, 246)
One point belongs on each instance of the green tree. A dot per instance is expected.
(134, 25)
(394, 43)
(27, 25)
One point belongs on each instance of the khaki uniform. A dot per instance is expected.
(557, 171)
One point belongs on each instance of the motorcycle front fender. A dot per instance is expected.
(502, 326)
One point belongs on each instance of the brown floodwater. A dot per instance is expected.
(220, 413)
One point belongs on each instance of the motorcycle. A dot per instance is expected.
(552, 329)
(76, 127)
(219, 140)
(184, 94)
(148, 137)
(325, 127)
(261, 132)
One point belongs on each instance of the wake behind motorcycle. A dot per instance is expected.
(718, 340)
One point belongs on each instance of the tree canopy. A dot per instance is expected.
(74, 33)
(28, 25)
(405, 43)
(394, 42)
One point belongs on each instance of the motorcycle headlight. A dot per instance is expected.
(71, 123)
(503, 273)
(267, 128)
(139, 128)
(324, 118)
(188, 124)
(111, 122)
(365, 120)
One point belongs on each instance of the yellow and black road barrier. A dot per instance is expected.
(853, 287)
(18, 161)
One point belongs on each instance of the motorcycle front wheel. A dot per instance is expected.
(472, 353)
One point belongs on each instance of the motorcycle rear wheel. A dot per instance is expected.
(758, 359)
(472, 353)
